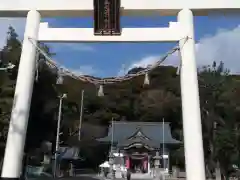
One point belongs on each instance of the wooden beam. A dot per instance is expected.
(74, 8)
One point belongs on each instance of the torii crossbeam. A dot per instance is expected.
(183, 9)
(70, 8)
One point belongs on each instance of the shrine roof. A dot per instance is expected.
(152, 130)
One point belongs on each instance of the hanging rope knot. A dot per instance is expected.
(188, 37)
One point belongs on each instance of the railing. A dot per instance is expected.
(36, 171)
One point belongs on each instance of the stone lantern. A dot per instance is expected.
(111, 163)
(157, 158)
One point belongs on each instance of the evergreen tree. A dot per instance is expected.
(9, 54)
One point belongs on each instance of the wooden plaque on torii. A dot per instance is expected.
(107, 17)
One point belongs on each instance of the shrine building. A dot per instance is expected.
(137, 145)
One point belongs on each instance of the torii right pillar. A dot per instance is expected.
(193, 141)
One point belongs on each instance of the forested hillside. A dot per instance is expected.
(128, 101)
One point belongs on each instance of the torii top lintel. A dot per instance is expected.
(74, 8)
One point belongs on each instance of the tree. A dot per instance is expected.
(9, 54)
(214, 82)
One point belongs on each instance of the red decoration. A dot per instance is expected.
(127, 162)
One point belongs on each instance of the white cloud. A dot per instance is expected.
(144, 62)
(222, 46)
(84, 70)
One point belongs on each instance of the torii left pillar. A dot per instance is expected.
(12, 164)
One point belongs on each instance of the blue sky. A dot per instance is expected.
(217, 38)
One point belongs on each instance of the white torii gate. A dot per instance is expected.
(184, 9)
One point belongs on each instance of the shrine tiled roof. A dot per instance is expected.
(122, 131)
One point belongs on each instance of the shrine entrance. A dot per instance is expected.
(139, 159)
(137, 165)
(107, 29)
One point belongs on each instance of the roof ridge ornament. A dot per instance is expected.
(139, 132)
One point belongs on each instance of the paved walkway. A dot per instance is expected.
(96, 177)
(80, 177)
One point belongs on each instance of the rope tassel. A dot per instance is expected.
(146, 79)
(60, 78)
(100, 91)
(37, 66)
(179, 66)
(178, 70)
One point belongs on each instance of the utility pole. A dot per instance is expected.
(79, 130)
(80, 119)
(58, 133)
(163, 149)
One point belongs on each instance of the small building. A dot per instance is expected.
(69, 157)
(140, 143)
